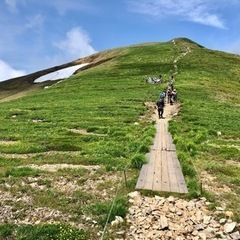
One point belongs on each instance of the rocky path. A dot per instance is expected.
(172, 218)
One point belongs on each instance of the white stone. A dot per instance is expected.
(202, 235)
(119, 219)
(219, 209)
(163, 222)
(134, 194)
(229, 227)
(171, 199)
(235, 235)
(206, 219)
(222, 220)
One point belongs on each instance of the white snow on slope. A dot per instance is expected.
(60, 74)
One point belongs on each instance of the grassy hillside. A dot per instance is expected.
(90, 120)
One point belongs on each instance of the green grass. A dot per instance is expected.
(105, 102)
(47, 231)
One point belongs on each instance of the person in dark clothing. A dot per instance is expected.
(160, 107)
(170, 97)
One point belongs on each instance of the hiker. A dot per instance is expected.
(170, 97)
(160, 106)
(162, 95)
(174, 96)
(171, 85)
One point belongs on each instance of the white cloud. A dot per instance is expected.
(34, 22)
(65, 6)
(76, 45)
(12, 5)
(199, 11)
(7, 72)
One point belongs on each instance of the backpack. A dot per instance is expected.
(160, 104)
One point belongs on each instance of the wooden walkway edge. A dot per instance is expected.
(163, 171)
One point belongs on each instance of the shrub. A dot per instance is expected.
(102, 209)
(150, 132)
(191, 147)
(188, 170)
(200, 137)
(143, 149)
(148, 140)
(68, 232)
(138, 160)
(183, 157)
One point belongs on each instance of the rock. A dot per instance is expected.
(222, 220)
(202, 235)
(206, 219)
(209, 232)
(119, 219)
(134, 194)
(163, 222)
(131, 200)
(235, 235)
(173, 218)
(219, 209)
(171, 199)
(229, 227)
(229, 214)
(195, 233)
(159, 198)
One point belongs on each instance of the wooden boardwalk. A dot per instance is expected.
(163, 171)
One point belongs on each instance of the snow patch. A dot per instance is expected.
(60, 74)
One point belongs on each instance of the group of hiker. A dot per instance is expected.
(169, 95)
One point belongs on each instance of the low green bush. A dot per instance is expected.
(138, 160)
(102, 210)
(41, 232)
(143, 148)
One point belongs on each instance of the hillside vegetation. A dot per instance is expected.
(98, 120)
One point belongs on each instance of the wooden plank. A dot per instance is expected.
(156, 138)
(145, 171)
(163, 136)
(150, 173)
(157, 167)
(142, 177)
(179, 174)
(174, 184)
(165, 176)
(157, 183)
(171, 145)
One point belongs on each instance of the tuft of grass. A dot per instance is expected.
(22, 172)
(138, 160)
(103, 213)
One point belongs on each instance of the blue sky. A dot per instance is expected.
(37, 34)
